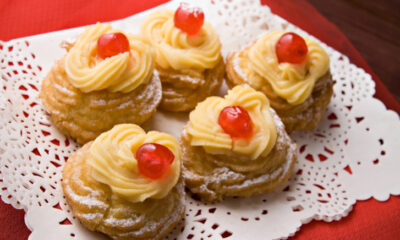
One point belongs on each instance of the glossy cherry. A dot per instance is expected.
(236, 122)
(111, 44)
(189, 19)
(291, 48)
(153, 160)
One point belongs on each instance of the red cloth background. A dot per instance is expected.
(369, 219)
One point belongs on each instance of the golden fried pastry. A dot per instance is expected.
(87, 92)
(188, 58)
(114, 188)
(298, 84)
(235, 146)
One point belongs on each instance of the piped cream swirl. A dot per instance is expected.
(205, 131)
(293, 82)
(112, 158)
(120, 73)
(177, 50)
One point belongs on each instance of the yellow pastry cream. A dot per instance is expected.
(205, 131)
(113, 162)
(293, 82)
(120, 73)
(177, 50)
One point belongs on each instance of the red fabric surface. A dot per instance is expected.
(369, 219)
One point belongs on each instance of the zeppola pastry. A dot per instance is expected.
(188, 58)
(291, 71)
(235, 146)
(106, 78)
(126, 183)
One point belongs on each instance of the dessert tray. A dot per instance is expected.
(352, 155)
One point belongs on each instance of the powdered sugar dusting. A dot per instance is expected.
(86, 200)
(92, 216)
(126, 222)
(236, 62)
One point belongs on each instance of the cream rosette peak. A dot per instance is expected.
(123, 72)
(113, 162)
(205, 131)
(178, 50)
(293, 82)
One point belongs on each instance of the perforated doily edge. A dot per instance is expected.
(291, 234)
(318, 218)
(4, 194)
(302, 222)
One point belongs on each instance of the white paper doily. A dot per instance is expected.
(352, 155)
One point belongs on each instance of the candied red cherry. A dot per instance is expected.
(111, 44)
(291, 48)
(153, 160)
(189, 19)
(236, 122)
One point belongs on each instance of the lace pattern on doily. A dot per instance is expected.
(349, 157)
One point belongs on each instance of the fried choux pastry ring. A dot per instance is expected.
(235, 146)
(291, 71)
(113, 186)
(90, 90)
